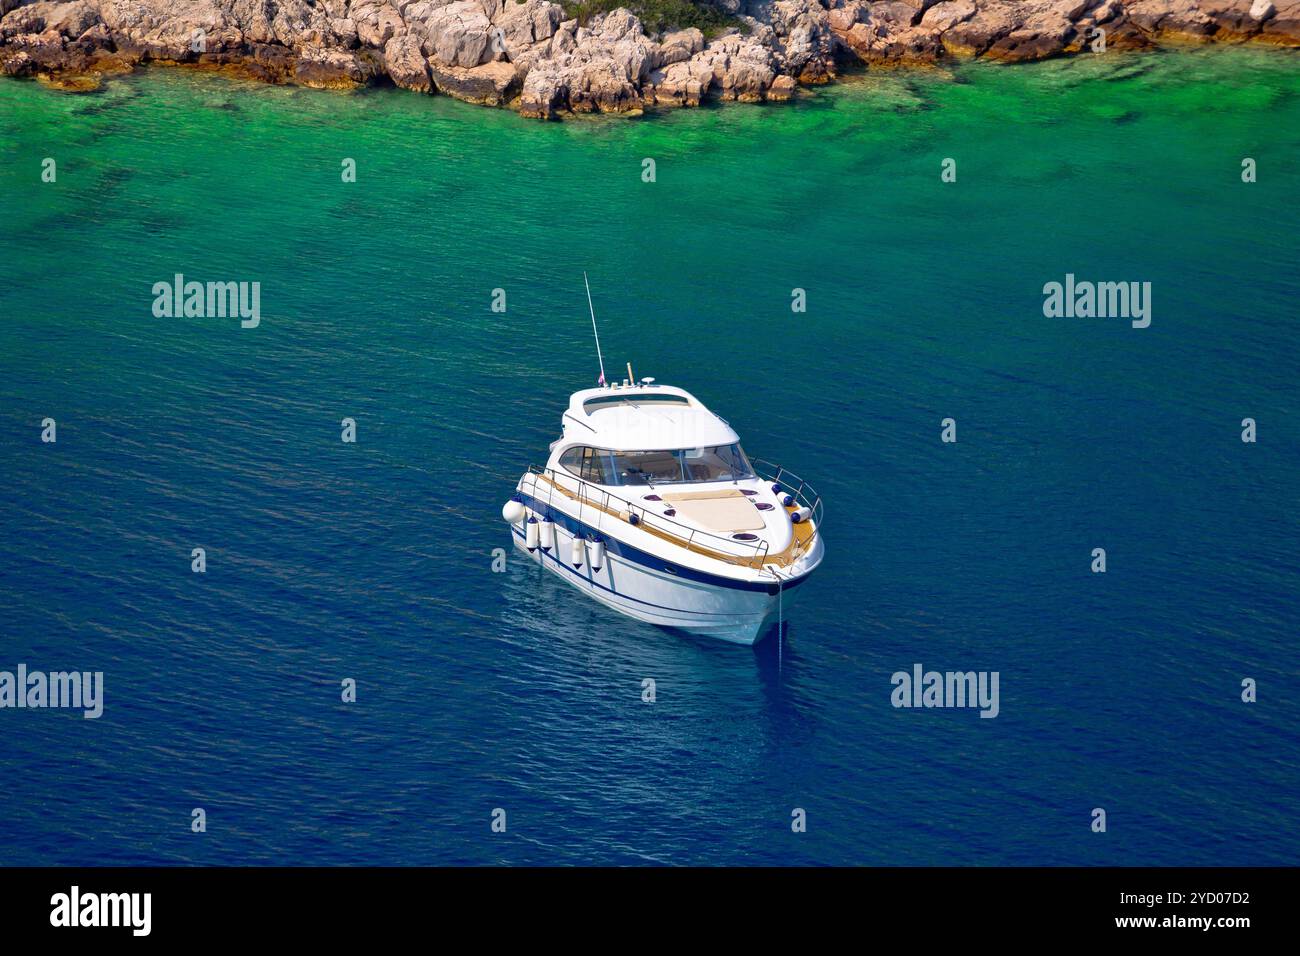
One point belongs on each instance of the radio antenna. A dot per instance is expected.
(600, 358)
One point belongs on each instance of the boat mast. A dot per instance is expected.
(600, 358)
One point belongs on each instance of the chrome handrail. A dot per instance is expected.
(686, 533)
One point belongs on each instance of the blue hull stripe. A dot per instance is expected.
(637, 556)
(588, 579)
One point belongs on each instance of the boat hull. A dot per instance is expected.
(739, 614)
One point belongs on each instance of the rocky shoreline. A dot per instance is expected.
(532, 56)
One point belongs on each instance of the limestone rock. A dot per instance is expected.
(18, 64)
(943, 16)
(500, 51)
(1284, 26)
(885, 31)
(680, 46)
(376, 22)
(1178, 17)
(406, 64)
(330, 69)
(457, 34)
(973, 35)
(490, 84)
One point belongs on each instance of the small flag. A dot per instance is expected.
(601, 380)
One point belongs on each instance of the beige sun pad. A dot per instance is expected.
(717, 510)
(704, 495)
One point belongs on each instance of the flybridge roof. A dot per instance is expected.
(643, 418)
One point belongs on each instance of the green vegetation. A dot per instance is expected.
(659, 16)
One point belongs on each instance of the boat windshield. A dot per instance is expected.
(673, 466)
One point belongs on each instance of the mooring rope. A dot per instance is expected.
(780, 623)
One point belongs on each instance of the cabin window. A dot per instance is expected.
(647, 467)
(590, 464)
(670, 466)
(718, 463)
(597, 466)
(572, 460)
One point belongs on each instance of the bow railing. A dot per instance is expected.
(804, 495)
(748, 553)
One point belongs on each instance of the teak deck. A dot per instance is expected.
(803, 534)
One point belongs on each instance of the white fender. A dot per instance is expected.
(530, 533)
(548, 534)
(800, 514)
(577, 551)
(597, 554)
(514, 511)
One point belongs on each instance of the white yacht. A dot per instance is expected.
(649, 505)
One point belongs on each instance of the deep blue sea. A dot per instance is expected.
(479, 690)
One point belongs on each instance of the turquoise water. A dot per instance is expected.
(479, 690)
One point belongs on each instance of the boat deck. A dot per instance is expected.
(801, 540)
